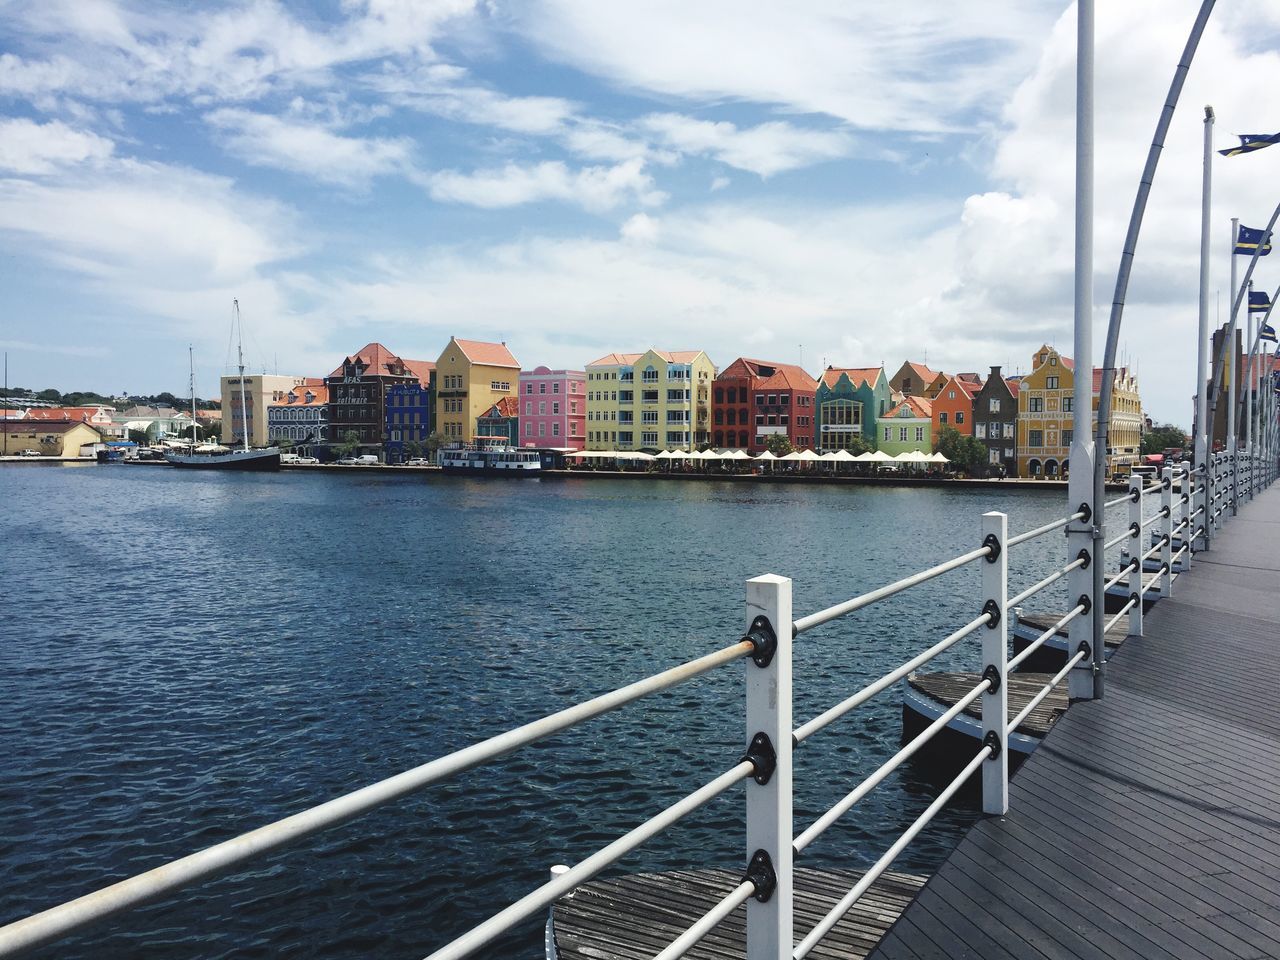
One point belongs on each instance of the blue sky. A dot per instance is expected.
(852, 183)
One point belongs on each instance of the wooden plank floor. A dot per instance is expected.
(1148, 822)
(949, 688)
(636, 916)
(1043, 621)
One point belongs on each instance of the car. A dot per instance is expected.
(306, 460)
(367, 459)
(30, 453)
(288, 458)
(418, 462)
(347, 461)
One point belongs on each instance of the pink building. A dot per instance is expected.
(553, 408)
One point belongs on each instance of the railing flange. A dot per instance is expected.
(761, 755)
(992, 542)
(992, 609)
(762, 876)
(764, 641)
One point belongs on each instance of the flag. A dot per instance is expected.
(1259, 301)
(1268, 332)
(1250, 142)
(1247, 241)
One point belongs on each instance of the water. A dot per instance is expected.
(187, 656)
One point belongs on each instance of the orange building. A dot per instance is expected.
(917, 380)
(953, 406)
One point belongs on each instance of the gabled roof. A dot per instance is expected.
(506, 407)
(489, 354)
(51, 426)
(319, 395)
(784, 376)
(857, 375)
(967, 387)
(64, 413)
(374, 357)
(926, 374)
(1014, 384)
(626, 359)
(919, 407)
(420, 369)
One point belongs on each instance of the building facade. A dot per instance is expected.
(1126, 424)
(1045, 415)
(59, 438)
(953, 406)
(553, 408)
(907, 427)
(471, 376)
(501, 420)
(410, 420)
(995, 421)
(657, 400)
(260, 392)
(917, 380)
(753, 400)
(358, 393)
(849, 402)
(301, 417)
(98, 417)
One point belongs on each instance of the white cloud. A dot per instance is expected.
(766, 148)
(27, 147)
(640, 228)
(596, 189)
(309, 148)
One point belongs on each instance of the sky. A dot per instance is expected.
(825, 182)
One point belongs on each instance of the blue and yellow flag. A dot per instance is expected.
(1259, 302)
(1268, 332)
(1250, 142)
(1247, 241)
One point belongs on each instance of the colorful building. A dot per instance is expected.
(917, 380)
(1124, 429)
(260, 392)
(753, 400)
(58, 438)
(358, 393)
(500, 420)
(98, 417)
(907, 427)
(410, 419)
(995, 420)
(553, 408)
(471, 376)
(649, 401)
(953, 406)
(849, 403)
(301, 417)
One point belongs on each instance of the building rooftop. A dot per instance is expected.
(626, 359)
(506, 407)
(65, 413)
(919, 407)
(489, 354)
(42, 426)
(857, 375)
(778, 376)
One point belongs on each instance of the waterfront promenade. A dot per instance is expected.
(1148, 823)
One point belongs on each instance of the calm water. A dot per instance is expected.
(186, 657)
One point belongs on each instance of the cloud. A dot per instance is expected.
(596, 189)
(27, 147)
(309, 148)
(766, 148)
(640, 228)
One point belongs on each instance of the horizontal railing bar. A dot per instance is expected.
(551, 891)
(1195, 513)
(1128, 605)
(708, 922)
(72, 915)
(1180, 551)
(1117, 501)
(806, 730)
(1044, 637)
(886, 860)
(819, 826)
(866, 599)
(1127, 569)
(1047, 581)
(1153, 519)
(1158, 485)
(1119, 538)
(1149, 585)
(1039, 531)
(1153, 551)
(1044, 692)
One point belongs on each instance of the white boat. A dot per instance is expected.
(490, 456)
(213, 456)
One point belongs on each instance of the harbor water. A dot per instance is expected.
(187, 656)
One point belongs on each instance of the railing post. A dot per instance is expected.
(769, 852)
(995, 665)
(1135, 554)
(1166, 532)
(1184, 509)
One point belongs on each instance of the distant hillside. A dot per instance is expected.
(52, 397)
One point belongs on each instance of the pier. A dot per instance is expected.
(1148, 822)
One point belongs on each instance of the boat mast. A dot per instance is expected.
(191, 360)
(244, 406)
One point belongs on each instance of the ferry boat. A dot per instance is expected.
(490, 456)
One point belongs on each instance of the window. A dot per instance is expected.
(994, 404)
(980, 431)
(1008, 452)
(555, 407)
(733, 395)
(759, 399)
(626, 396)
(555, 428)
(1036, 404)
(649, 396)
(677, 396)
(1051, 383)
(959, 417)
(995, 455)
(919, 434)
(951, 394)
(573, 406)
(649, 438)
(627, 376)
(528, 428)
(542, 429)
(1008, 431)
(886, 434)
(542, 387)
(1035, 438)
(1068, 404)
(650, 375)
(942, 416)
(902, 434)
(626, 416)
(542, 408)
(555, 387)
(528, 387)
(649, 416)
(784, 399)
(773, 399)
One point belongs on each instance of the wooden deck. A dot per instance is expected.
(636, 916)
(949, 688)
(1148, 822)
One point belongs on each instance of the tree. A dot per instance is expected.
(1161, 438)
(779, 445)
(52, 395)
(413, 450)
(140, 438)
(965, 453)
(858, 445)
(434, 442)
(349, 445)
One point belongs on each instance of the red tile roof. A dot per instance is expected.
(857, 375)
(62, 413)
(785, 376)
(919, 406)
(489, 354)
(967, 387)
(626, 359)
(506, 407)
(1014, 386)
(926, 375)
(319, 395)
(43, 426)
(380, 362)
(421, 369)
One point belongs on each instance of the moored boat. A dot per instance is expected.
(489, 456)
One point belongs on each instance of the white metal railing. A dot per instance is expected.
(766, 767)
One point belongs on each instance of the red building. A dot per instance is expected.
(753, 400)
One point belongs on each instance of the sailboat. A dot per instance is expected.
(212, 456)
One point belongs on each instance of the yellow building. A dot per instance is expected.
(471, 376)
(49, 439)
(260, 393)
(1046, 415)
(658, 400)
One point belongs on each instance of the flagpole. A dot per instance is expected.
(1203, 445)
(1233, 369)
